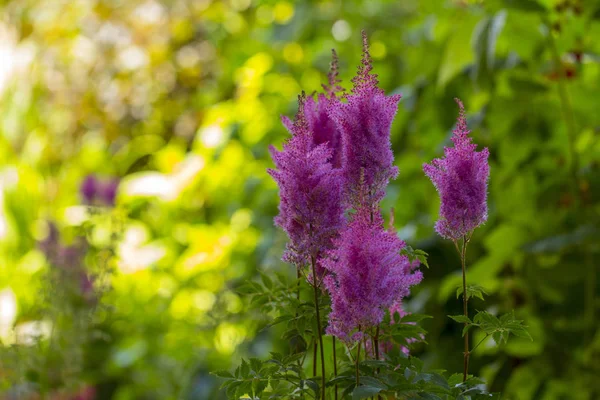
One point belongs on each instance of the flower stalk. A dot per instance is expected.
(319, 332)
(463, 254)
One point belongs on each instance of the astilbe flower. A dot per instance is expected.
(365, 121)
(322, 127)
(461, 181)
(368, 276)
(310, 210)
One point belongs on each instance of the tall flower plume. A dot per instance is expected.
(365, 121)
(322, 127)
(310, 210)
(461, 181)
(370, 275)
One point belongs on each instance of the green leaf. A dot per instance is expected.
(415, 254)
(363, 392)
(255, 364)
(266, 281)
(455, 379)
(461, 318)
(314, 386)
(466, 329)
(223, 374)
(472, 291)
(245, 369)
(413, 318)
(373, 382)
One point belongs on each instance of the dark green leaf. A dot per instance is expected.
(363, 392)
(223, 374)
(461, 318)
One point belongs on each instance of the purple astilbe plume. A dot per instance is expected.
(461, 181)
(368, 275)
(310, 210)
(365, 121)
(322, 127)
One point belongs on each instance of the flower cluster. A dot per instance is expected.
(365, 121)
(461, 180)
(340, 159)
(310, 211)
(368, 276)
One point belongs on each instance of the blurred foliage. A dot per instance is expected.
(180, 100)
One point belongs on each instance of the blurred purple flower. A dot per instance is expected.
(108, 192)
(89, 189)
(310, 210)
(50, 244)
(461, 181)
(368, 276)
(364, 122)
(67, 261)
(99, 192)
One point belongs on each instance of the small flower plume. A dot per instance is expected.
(461, 180)
(368, 276)
(310, 210)
(365, 121)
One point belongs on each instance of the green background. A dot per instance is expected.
(180, 99)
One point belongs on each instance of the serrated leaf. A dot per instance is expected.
(413, 318)
(472, 291)
(466, 329)
(258, 385)
(373, 382)
(521, 332)
(245, 369)
(417, 363)
(487, 321)
(455, 379)
(255, 364)
(266, 281)
(232, 388)
(314, 386)
(363, 392)
(463, 319)
(223, 374)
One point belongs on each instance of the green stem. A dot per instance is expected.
(463, 256)
(334, 367)
(320, 336)
(376, 345)
(357, 360)
(315, 349)
(567, 113)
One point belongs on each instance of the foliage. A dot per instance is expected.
(181, 98)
